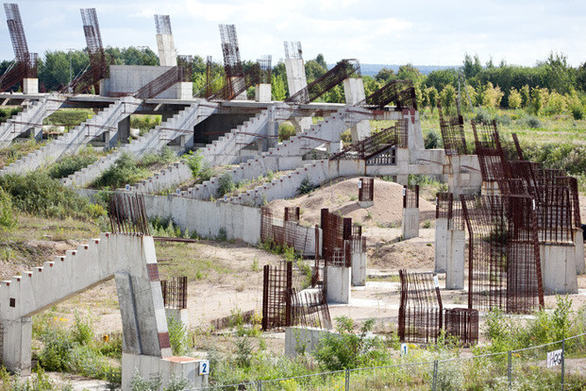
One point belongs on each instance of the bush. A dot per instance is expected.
(225, 185)
(7, 218)
(286, 131)
(503, 119)
(306, 186)
(38, 194)
(431, 140)
(178, 336)
(532, 121)
(71, 164)
(483, 116)
(577, 112)
(124, 171)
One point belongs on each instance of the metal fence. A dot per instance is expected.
(552, 366)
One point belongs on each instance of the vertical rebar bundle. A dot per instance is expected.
(276, 298)
(128, 214)
(411, 197)
(310, 309)
(462, 323)
(175, 292)
(421, 309)
(366, 189)
(493, 164)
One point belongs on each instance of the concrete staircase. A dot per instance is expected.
(153, 141)
(287, 155)
(75, 139)
(224, 150)
(31, 117)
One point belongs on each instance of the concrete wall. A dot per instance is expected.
(463, 174)
(127, 79)
(303, 340)
(338, 284)
(207, 218)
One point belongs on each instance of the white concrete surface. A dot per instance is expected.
(410, 223)
(558, 269)
(262, 92)
(441, 245)
(30, 85)
(303, 340)
(338, 284)
(579, 246)
(358, 267)
(456, 259)
(167, 52)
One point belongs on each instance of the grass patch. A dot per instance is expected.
(73, 163)
(69, 118)
(17, 150)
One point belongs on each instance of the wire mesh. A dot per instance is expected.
(452, 130)
(287, 231)
(420, 309)
(343, 70)
(462, 323)
(128, 214)
(175, 292)
(366, 189)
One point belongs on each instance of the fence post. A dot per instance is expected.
(347, 380)
(259, 385)
(563, 361)
(510, 368)
(434, 384)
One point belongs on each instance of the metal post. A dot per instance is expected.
(347, 380)
(434, 384)
(563, 361)
(509, 368)
(259, 385)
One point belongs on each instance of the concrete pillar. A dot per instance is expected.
(354, 90)
(335, 147)
(184, 90)
(123, 133)
(262, 92)
(296, 79)
(410, 223)
(338, 284)
(442, 248)
(558, 269)
(179, 314)
(358, 263)
(16, 341)
(579, 245)
(414, 133)
(456, 259)
(360, 131)
(30, 86)
(303, 340)
(167, 53)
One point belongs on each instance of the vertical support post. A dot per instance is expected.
(563, 361)
(265, 297)
(347, 380)
(289, 283)
(434, 384)
(510, 368)
(259, 385)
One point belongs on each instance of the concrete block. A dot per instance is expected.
(358, 263)
(303, 340)
(579, 245)
(179, 314)
(558, 269)
(360, 131)
(456, 259)
(338, 284)
(16, 344)
(441, 246)
(30, 85)
(410, 223)
(354, 90)
(184, 90)
(296, 79)
(262, 92)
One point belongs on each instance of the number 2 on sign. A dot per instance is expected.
(204, 368)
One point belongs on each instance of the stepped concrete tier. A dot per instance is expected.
(227, 149)
(179, 126)
(130, 259)
(71, 142)
(30, 119)
(288, 155)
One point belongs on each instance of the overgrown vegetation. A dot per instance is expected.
(225, 185)
(286, 131)
(8, 218)
(7, 112)
(17, 150)
(73, 163)
(69, 118)
(38, 194)
(290, 255)
(306, 187)
(200, 170)
(128, 170)
(144, 123)
(178, 336)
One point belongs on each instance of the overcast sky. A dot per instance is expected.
(381, 32)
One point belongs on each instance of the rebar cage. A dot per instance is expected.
(462, 323)
(452, 131)
(175, 292)
(421, 309)
(504, 269)
(285, 232)
(493, 164)
(366, 189)
(310, 309)
(128, 214)
(411, 197)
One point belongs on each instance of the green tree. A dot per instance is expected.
(440, 78)
(321, 61)
(278, 87)
(471, 67)
(515, 99)
(409, 72)
(559, 76)
(492, 96)
(525, 95)
(313, 70)
(385, 75)
(448, 96)
(432, 97)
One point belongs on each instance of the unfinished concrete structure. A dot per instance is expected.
(410, 220)
(165, 43)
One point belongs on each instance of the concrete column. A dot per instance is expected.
(558, 269)
(354, 93)
(296, 79)
(335, 147)
(442, 248)
(167, 53)
(358, 263)
(410, 223)
(179, 314)
(338, 284)
(16, 344)
(262, 92)
(123, 133)
(184, 90)
(456, 259)
(30, 86)
(579, 245)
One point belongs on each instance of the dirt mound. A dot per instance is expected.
(342, 197)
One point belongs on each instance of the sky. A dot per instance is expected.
(431, 32)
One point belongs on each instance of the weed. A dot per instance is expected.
(178, 336)
(427, 224)
(306, 186)
(7, 216)
(225, 185)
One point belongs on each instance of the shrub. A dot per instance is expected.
(194, 162)
(532, 121)
(577, 112)
(7, 217)
(483, 116)
(225, 185)
(431, 140)
(306, 186)
(37, 193)
(73, 163)
(124, 171)
(286, 131)
(56, 346)
(178, 336)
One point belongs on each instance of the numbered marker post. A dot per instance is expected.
(204, 367)
(404, 349)
(554, 358)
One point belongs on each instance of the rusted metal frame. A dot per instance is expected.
(127, 214)
(343, 70)
(452, 131)
(401, 92)
(572, 185)
(518, 147)
(411, 197)
(175, 292)
(462, 323)
(292, 213)
(310, 309)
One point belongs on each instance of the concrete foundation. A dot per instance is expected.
(262, 92)
(579, 246)
(302, 340)
(358, 263)
(338, 284)
(410, 223)
(365, 204)
(456, 259)
(166, 369)
(30, 86)
(441, 247)
(558, 269)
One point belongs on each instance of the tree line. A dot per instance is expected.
(551, 86)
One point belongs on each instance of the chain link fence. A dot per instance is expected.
(558, 365)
